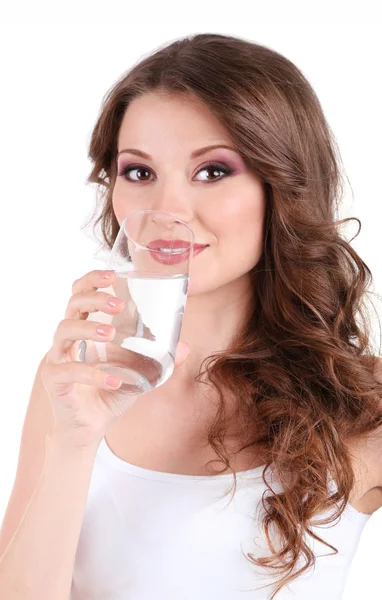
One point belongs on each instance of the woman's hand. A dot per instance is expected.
(84, 403)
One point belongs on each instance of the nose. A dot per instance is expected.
(174, 202)
(171, 226)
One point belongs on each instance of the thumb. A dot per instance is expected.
(182, 352)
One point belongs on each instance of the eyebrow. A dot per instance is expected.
(194, 154)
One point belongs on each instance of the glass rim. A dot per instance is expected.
(161, 212)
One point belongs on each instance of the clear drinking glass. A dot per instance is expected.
(151, 257)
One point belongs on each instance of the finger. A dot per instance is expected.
(181, 354)
(92, 281)
(70, 331)
(61, 378)
(83, 303)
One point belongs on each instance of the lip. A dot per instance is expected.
(176, 257)
(174, 244)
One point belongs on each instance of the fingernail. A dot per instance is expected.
(114, 302)
(103, 330)
(107, 274)
(112, 381)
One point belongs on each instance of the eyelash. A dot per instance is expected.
(215, 166)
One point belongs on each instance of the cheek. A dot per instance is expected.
(116, 201)
(117, 208)
(241, 214)
(120, 205)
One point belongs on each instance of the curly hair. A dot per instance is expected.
(302, 368)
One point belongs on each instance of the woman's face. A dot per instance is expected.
(225, 211)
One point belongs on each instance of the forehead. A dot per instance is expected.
(163, 116)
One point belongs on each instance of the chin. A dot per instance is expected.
(193, 289)
(198, 286)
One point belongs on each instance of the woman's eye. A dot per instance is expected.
(125, 172)
(212, 168)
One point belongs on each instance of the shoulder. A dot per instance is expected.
(374, 442)
(378, 369)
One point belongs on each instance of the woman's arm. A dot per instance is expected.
(38, 562)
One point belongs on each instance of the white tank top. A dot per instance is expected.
(148, 535)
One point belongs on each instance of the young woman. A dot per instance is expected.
(126, 503)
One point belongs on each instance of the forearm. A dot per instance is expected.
(39, 560)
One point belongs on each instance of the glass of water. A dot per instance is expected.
(151, 257)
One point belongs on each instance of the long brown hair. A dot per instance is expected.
(303, 368)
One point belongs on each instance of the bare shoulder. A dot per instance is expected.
(376, 439)
(366, 453)
(370, 450)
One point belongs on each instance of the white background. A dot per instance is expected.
(54, 73)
